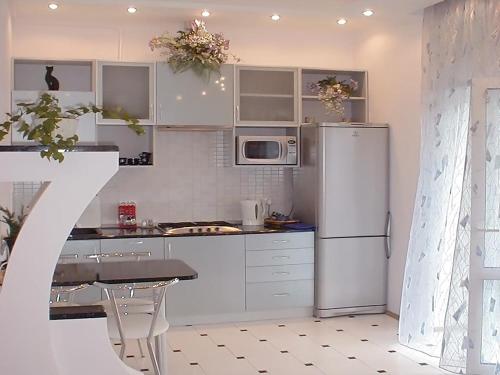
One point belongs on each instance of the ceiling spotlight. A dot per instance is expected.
(275, 17)
(341, 21)
(368, 12)
(205, 13)
(53, 6)
(132, 10)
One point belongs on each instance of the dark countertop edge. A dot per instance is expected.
(131, 281)
(79, 148)
(243, 232)
(77, 312)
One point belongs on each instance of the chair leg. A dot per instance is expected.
(140, 348)
(153, 357)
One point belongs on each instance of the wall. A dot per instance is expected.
(5, 56)
(391, 54)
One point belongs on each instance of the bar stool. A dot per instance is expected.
(133, 325)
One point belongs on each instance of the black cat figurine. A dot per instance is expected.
(52, 82)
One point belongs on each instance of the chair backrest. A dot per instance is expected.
(58, 293)
(117, 256)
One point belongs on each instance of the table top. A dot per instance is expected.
(122, 272)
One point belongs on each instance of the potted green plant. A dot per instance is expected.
(14, 223)
(53, 127)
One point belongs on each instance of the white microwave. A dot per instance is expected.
(266, 150)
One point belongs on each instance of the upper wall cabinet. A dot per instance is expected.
(75, 80)
(129, 87)
(266, 96)
(187, 99)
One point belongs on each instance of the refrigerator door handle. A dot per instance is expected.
(388, 250)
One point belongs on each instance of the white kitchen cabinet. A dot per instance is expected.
(266, 96)
(86, 130)
(80, 252)
(129, 87)
(220, 286)
(188, 99)
(280, 295)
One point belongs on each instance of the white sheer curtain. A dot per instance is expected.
(461, 41)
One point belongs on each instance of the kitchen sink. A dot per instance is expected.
(202, 229)
(84, 232)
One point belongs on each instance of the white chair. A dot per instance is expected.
(61, 296)
(127, 323)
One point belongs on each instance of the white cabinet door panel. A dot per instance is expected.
(220, 287)
(272, 241)
(279, 257)
(280, 295)
(280, 273)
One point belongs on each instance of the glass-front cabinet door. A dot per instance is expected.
(266, 96)
(128, 87)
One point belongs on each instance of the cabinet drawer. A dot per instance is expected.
(278, 295)
(279, 257)
(280, 241)
(78, 251)
(133, 248)
(280, 273)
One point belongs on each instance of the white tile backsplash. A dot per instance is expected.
(192, 180)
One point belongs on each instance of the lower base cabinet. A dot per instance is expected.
(280, 295)
(220, 286)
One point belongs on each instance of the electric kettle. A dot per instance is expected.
(252, 212)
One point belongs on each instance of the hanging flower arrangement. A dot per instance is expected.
(195, 48)
(334, 93)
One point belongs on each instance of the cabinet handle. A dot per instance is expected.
(281, 241)
(281, 294)
(120, 255)
(281, 257)
(68, 256)
(169, 255)
(281, 273)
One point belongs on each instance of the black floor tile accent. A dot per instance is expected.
(308, 364)
(281, 325)
(352, 316)
(374, 325)
(243, 330)
(392, 351)
(262, 371)
(364, 340)
(117, 344)
(381, 371)
(193, 363)
(221, 345)
(325, 346)
(340, 330)
(283, 351)
(130, 356)
(176, 350)
(240, 357)
(302, 335)
(317, 321)
(423, 364)
(189, 325)
(262, 340)
(144, 369)
(203, 334)
(351, 357)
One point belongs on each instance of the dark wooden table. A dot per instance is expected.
(143, 271)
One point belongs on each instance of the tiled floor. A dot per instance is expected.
(359, 345)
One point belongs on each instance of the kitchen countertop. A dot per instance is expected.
(114, 232)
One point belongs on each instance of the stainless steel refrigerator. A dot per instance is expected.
(343, 188)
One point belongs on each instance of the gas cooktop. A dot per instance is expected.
(205, 227)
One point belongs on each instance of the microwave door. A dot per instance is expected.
(261, 152)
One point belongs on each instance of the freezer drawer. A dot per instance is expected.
(350, 273)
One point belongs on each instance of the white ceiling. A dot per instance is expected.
(296, 12)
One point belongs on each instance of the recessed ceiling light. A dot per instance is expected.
(132, 10)
(341, 21)
(368, 12)
(275, 17)
(53, 6)
(205, 13)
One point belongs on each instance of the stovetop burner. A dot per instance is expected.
(185, 224)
